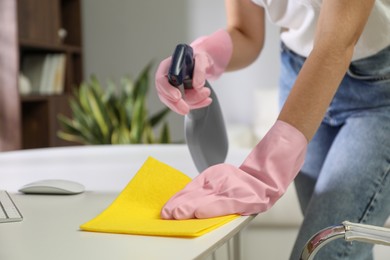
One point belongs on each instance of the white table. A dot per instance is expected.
(50, 229)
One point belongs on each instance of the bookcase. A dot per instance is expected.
(48, 28)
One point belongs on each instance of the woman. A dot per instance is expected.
(333, 131)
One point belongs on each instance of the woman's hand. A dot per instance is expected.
(211, 56)
(252, 188)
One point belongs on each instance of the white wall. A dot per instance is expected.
(122, 36)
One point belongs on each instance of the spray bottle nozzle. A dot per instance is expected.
(182, 66)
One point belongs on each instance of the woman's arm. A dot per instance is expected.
(339, 27)
(246, 26)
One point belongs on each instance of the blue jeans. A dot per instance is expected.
(346, 172)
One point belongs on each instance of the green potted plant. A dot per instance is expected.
(113, 115)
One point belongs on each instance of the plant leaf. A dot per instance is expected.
(141, 85)
(165, 137)
(83, 98)
(73, 127)
(149, 135)
(114, 114)
(71, 138)
(120, 136)
(155, 119)
(99, 111)
(137, 121)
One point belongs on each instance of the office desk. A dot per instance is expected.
(50, 229)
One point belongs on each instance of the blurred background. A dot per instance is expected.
(121, 37)
(50, 48)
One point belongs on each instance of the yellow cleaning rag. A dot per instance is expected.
(137, 208)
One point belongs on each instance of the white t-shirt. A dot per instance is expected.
(300, 18)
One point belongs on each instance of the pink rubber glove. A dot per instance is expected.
(212, 55)
(260, 181)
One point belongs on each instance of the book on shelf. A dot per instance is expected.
(46, 72)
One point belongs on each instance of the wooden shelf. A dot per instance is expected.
(39, 24)
(41, 46)
(38, 97)
(39, 117)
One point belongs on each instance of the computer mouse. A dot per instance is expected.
(53, 186)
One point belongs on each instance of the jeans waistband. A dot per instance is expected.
(285, 48)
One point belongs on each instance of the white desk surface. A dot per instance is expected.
(50, 229)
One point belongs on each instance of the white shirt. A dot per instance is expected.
(300, 18)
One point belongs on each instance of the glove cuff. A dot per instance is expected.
(219, 47)
(278, 157)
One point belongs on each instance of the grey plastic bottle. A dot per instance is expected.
(205, 130)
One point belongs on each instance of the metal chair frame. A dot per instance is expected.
(350, 232)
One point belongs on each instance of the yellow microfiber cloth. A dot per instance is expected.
(137, 208)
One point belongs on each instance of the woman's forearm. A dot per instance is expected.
(338, 29)
(246, 26)
(313, 91)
